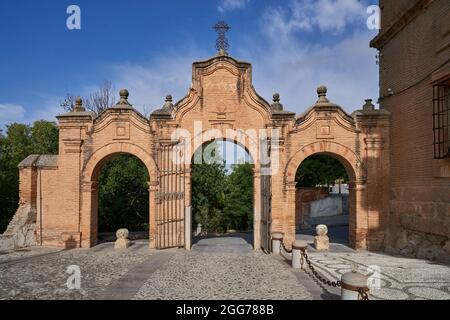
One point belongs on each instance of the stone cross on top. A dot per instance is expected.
(221, 28)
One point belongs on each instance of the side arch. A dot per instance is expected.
(358, 219)
(347, 157)
(89, 188)
(99, 157)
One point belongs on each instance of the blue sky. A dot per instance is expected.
(149, 46)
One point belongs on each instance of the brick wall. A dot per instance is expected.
(420, 192)
(222, 97)
(304, 196)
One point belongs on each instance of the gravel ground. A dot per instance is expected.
(225, 269)
(41, 273)
(216, 268)
(25, 253)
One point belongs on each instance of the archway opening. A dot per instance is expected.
(222, 194)
(323, 196)
(122, 196)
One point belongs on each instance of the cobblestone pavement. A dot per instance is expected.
(400, 278)
(216, 268)
(223, 269)
(41, 273)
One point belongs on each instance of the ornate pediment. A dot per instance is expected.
(325, 116)
(221, 88)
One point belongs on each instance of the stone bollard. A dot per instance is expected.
(298, 247)
(122, 241)
(351, 284)
(321, 241)
(277, 239)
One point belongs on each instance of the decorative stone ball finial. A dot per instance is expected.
(276, 97)
(168, 105)
(124, 94)
(276, 105)
(322, 230)
(122, 241)
(322, 92)
(79, 105)
(122, 234)
(321, 241)
(368, 106)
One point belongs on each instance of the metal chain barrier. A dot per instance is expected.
(283, 248)
(362, 295)
(333, 284)
(362, 292)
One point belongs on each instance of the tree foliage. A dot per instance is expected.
(222, 201)
(123, 195)
(20, 141)
(123, 191)
(239, 197)
(320, 170)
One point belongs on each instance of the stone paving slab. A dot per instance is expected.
(129, 284)
(401, 278)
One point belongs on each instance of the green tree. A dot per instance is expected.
(208, 195)
(20, 141)
(320, 170)
(221, 201)
(123, 195)
(44, 136)
(239, 197)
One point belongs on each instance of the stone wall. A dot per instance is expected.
(328, 207)
(21, 231)
(303, 197)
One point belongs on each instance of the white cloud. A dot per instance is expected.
(287, 62)
(282, 62)
(11, 113)
(326, 15)
(294, 68)
(149, 83)
(230, 5)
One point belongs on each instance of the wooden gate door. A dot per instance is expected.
(170, 204)
(266, 209)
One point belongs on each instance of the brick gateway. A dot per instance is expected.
(58, 194)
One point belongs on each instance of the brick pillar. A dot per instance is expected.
(375, 127)
(288, 216)
(73, 128)
(188, 204)
(377, 159)
(357, 215)
(152, 190)
(89, 214)
(256, 208)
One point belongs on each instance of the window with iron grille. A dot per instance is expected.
(441, 122)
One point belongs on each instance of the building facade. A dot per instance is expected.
(414, 60)
(59, 194)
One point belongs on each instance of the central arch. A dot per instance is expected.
(255, 182)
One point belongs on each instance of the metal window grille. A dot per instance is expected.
(441, 120)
